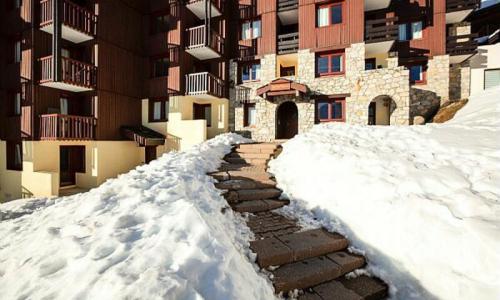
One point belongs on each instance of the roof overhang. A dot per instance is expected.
(281, 87)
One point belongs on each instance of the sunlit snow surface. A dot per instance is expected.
(157, 232)
(423, 202)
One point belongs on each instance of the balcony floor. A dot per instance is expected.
(378, 48)
(457, 16)
(288, 17)
(69, 33)
(66, 86)
(203, 53)
(456, 59)
(376, 4)
(198, 8)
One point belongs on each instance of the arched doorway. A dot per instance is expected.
(380, 110)
(287, 121)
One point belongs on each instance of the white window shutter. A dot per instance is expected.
(491, 78)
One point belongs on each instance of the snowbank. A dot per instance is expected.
(422, 201)
(157, 232)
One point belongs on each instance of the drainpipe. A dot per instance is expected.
(57, 11)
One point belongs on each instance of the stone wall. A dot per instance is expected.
(363, 87)
(459, 82)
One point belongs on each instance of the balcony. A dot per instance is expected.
(458, 10)
(461, 47)
(243, 94)
(376, 4)
(55, 127)
(247, 11)
(198, 46)
(380, 35)
(197, 7)
(248, 49)
(288, 11)
(78, 23)
(204, 85)
(76, 76)
(288, 43)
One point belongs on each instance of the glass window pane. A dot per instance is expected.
(322, 110)
(245, 73)
(157, 111)
(166, 109)
(251, 115)
(416, 30)
(63, 106)
(17, 104)
(337, 63)
(336, 14)
(245, 31)
(256, 29)
(416, 73)
(402, 32)
(17, 54)
(336, 110)
(322, 65)
(18, 157)
(208, 115)
(323, 17)
(257, 72)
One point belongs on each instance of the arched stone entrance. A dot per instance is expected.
(380, 110)
(287, 120)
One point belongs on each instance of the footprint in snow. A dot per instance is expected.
(51, 267)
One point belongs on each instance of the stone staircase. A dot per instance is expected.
(314, 260)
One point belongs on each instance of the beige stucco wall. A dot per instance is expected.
(488, 57)
(40, 175)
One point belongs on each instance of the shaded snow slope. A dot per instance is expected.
(422, 201)
(157, 232)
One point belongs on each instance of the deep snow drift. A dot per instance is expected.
(423, 202)
(155, 233)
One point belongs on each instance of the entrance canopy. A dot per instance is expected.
(281, 87)
(143, 136)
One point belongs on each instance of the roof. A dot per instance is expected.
(281, 86)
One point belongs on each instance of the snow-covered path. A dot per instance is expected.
(423, 201)
(157, 232)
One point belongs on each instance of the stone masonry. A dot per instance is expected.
(363, 87)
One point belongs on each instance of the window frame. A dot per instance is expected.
(163, 109)
(330, 6)
(246, 119)
(251, 28)
(250, 65)
(330, 102)
(153, 61)
(330, 55)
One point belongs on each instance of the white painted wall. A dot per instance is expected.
(488, 57)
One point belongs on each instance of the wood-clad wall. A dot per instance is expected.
(331, 37)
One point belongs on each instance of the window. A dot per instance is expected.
(65, 53)
(160, 66)
(287, 71)
(417, 74)
(160, 23)
(330, 63)
(14, 155)
(329, 14)
(370, 64)
(203, 112)
(16, 105)
(250, 72)
(410, 31)
(63, 106)
(158, 110)
(249, 114)
(17, 51)
(250, 30)
(330, 110)
(491, 78)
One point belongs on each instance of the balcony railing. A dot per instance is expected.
(66, 127)
(457, 5)
(247, 11)
(243, 94)
(197, 38)
(381, 30)
(461, 44)
(73, 72)
(73, 15)
(249, 50)
(284, 5)
(288, 43)
(204, 83)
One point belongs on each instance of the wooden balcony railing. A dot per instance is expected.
(66, 127)
(196, 38)
(73, 72)
(243, 94)
(461, 44)
(457, 5)
(284, 5)
(247, 11)
(73, 15)
(249, 50)
(288, 43)
(381, 30)
(204, 84)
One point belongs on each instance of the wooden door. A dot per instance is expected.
(287, 121)
(71, 161)
(150, 153)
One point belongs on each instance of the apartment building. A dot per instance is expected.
(91, 89)
(305, 62)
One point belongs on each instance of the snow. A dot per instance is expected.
(157, 232)
(421, 202)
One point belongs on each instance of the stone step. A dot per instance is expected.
(251, 155)
(243, 167)
(252, 150)
(260, 146)
(258, 194)
(246, 184)
(246, 161)
(359, 288)
(314, 271)
(256, 206)
(276, 251)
